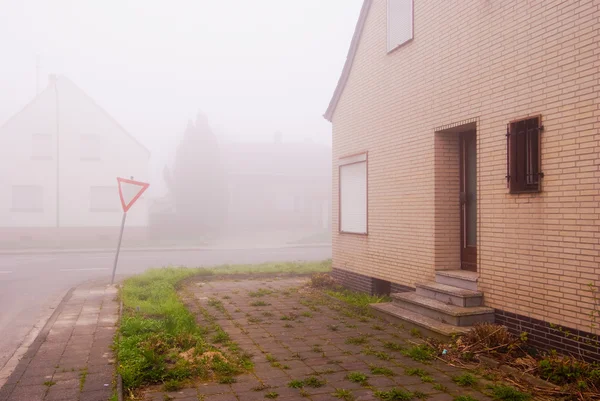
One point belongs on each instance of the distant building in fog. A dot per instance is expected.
(61, 156)
(278, 185)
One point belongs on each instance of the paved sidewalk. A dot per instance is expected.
(71, 359)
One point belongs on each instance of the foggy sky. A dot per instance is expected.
(254, 67)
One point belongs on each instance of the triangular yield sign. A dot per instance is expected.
(130, 191)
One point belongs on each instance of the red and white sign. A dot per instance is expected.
(130, 191)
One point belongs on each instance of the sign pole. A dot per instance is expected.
(118, 248)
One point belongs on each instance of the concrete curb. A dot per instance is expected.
(173, 249)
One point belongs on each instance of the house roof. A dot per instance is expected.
(364, 12)
(62, 80)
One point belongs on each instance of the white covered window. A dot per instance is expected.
(27, 198)
(353, 194)
(90, 146)
(104, 199)
(399, 23)
(42, 147)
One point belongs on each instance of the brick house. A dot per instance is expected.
(465, 165)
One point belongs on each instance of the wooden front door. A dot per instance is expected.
(468, 201)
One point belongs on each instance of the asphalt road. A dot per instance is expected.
(31, 286)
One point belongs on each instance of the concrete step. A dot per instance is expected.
(458, 278)
(428, 327)
(450, 314)
(450, 295)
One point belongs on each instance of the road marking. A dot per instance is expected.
(90, 269)
(5, 271)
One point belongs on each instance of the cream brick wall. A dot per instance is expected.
(494, 60)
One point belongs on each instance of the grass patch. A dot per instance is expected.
(314, 382)
(465, 380)
(272, 395)
(507, 393)
(259, 303)
(440, 387)
(394, 394)
(343, 394)
(382, 371)
(227, 380)
(357, 377)
(420, 353)
(306, 314)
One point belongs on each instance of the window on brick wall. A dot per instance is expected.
(523, 143)
(399, 23)
(353, 194)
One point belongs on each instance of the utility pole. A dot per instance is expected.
(55, 78)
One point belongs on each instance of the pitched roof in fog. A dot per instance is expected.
(62, 81)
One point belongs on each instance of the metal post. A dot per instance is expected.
(112, 280)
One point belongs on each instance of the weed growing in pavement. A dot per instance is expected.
(360, 340)
(314, 382)
(291, 317)
(272, 395)
(304, 393)
(317, 348)
(420, 353)
(440, 387)
(49, 383)
(415, 332)
(227, 380)
(288, 326)
(267, 314)
(271, 358)
(333, 327)
(394, 394)
(343, 394)
(306, 314)
(296, 384)
(173, 385)
(419, 395)
(464, 398)
(379, 354)
(425, 378)
(381, 370)
(82, 377)
(261, 292)
(465, 380)
(226, 297)
(217, 304)
(377, 327)
(357, 377)
(259, 303)
(261, 387)
(392, 346)
(507, 393)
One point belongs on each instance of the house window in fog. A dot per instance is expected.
(353, 194)
(400, 22)
(42, 147)
(90, 147)
(104, 199)
(27, 198)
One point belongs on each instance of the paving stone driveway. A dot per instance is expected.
(295, 333)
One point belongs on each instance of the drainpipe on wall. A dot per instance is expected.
(53, 80)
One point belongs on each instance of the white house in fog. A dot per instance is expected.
(61, 155)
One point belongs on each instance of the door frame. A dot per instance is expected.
(468, 253)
